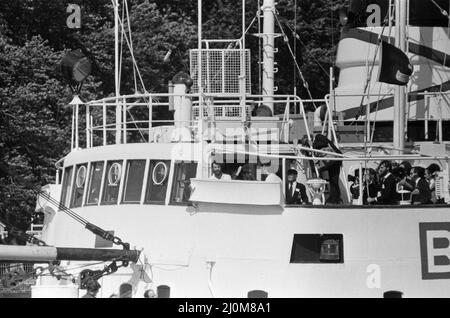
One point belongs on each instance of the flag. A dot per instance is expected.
(395, 67)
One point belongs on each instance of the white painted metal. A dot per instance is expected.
(230, 192)
(251, 248)
(400, 98)
(269, 52)
(351, 58)
(117, 73)
(54, 291)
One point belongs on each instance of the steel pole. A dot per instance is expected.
(44, 254)
(400, 91)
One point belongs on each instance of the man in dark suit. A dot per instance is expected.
(388, 191)
(329, 169)
(295, 191)
(421, 193)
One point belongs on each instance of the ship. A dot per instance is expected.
(148, 181)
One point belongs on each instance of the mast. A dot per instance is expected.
(269, 52)
(242, 78)
(401, 7)
(200, 90)
(116, 72)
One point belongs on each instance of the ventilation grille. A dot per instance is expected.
(221, 69)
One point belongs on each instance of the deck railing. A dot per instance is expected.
(129, 119)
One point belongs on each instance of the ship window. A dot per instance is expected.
(317, 248)
(134, 178)
(181, 190)
(158, 178)
(111, 183)
(66, 187)
(78, 187)
(95, 181)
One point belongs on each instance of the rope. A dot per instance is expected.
(121, 48)
(132, 56)
(375, 118)
(369, 77)
(258, 13)
(305, 83)
(131, 48)
(295, 47)
(296, 36)
(448, 36)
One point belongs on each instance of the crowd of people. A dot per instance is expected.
(390, 184)
(393, 183)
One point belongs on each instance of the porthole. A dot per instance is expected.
(81, 176)
(114, 174)
(159, 174)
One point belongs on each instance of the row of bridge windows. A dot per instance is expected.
(108, 182)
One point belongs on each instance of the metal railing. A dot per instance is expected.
(129, 119)
(21, 267)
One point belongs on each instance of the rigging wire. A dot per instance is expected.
(375, 116)
(129, 42)
(121, 47)
(296, 36)
(448, 37)
(369, 77)
(295, 47)
(88, 225)
(258, 14)
(132, 55)
(131, 45)
(305, 83)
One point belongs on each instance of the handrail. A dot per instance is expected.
(344, 158)
(227, 108)
(195, 96)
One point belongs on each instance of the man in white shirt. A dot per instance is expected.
(217, 172)
(272, 177)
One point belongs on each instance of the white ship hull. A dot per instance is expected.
(250, 249)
